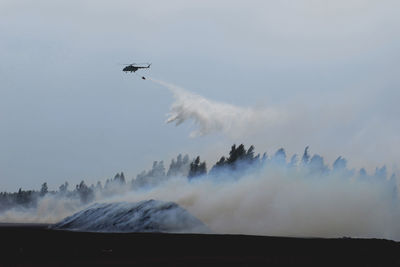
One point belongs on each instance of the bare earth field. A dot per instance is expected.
(35, 244)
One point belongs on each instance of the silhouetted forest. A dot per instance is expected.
(232, 166)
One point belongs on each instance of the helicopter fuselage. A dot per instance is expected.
(132, 68)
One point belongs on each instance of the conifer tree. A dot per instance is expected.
(44, 189)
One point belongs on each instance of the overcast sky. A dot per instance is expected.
(68, 112)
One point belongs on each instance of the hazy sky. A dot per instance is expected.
(68, 112)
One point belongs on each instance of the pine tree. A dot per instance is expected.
(306, 157)
(63, 188)
(43, 189)
(197, 168)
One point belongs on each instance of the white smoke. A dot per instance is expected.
(212, 116)
(272, 199)
(285, 202)
(50, 209)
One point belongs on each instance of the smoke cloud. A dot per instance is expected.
(285, 202)
(277, 198)
(50, 209)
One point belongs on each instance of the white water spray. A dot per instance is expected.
(212, 116)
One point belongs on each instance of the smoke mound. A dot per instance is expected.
(212, 116)
(144, 216)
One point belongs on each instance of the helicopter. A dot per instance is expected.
(133, 67)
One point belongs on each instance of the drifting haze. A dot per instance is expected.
(287, 203)
(268, 196)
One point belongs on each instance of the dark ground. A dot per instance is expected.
(34, 244)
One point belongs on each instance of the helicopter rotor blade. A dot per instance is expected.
(134, 64)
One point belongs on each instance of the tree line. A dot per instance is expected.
(238, 161)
